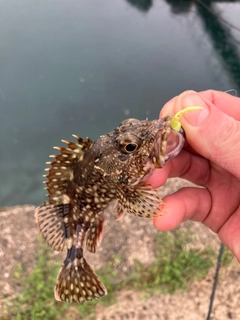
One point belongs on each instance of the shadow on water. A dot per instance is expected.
(219, 32)
(143, 5)
(221, 38)
(180, 7)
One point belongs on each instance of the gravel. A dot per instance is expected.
(131, 238)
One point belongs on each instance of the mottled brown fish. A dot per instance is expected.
(85, 178)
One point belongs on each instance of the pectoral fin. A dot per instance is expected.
(142, 201)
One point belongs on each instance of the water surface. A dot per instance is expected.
(83, 66)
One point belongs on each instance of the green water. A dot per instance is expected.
(82, 66)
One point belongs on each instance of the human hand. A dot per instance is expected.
(211, 160)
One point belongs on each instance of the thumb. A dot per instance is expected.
(211, 132)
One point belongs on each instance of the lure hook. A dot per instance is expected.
(175, 123)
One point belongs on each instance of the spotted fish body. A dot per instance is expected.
(85, 178)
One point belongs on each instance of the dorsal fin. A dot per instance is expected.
(52, 216)
(60, 171)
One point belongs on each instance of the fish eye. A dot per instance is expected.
(128, 142)
(130, 147)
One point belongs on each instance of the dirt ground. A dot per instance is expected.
(131, 237)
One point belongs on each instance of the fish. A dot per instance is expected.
(84, 178)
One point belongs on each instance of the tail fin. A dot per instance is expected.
(77, 282)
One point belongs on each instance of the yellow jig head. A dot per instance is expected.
(175, 123)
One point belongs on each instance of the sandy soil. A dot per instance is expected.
(132, 238)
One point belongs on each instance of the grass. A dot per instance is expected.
(175, 267)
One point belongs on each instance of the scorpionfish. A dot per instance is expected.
(84, 178)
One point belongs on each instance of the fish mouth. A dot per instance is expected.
(166, 146)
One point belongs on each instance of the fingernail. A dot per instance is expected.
(195, 117)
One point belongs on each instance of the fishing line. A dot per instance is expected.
(221, 19)
(214, 286)
(232, 90)
(221, 249)
(176, 125)
(218, 16)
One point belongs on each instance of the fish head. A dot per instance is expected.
(131, 153)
